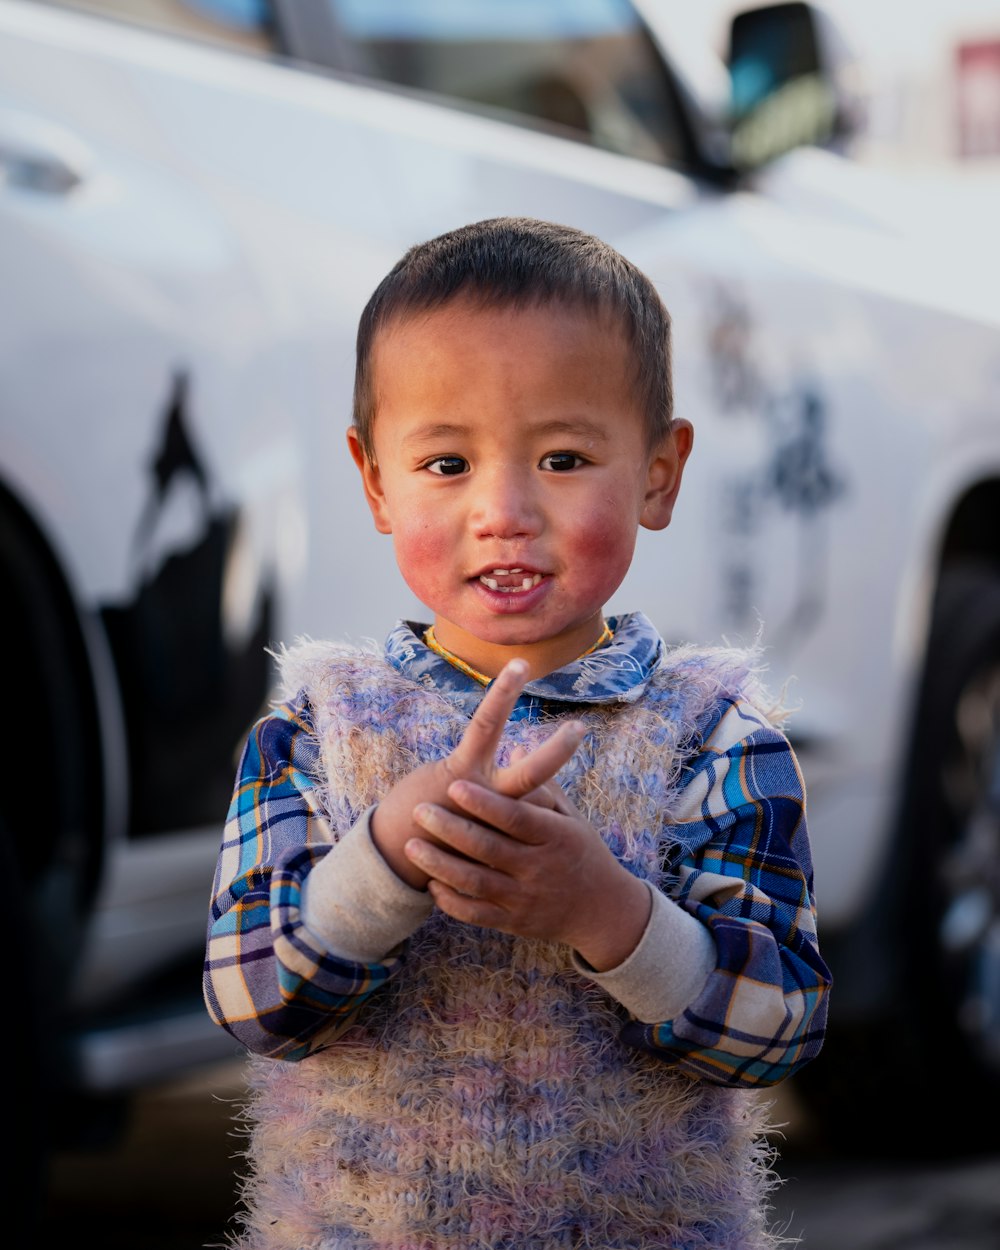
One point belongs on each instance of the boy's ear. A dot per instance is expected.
(663, 479)
(371, 480)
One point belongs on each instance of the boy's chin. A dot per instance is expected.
(511, 638)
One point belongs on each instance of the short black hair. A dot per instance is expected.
(522, 262)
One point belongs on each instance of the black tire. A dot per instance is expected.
(923, 1078)
(49, 826)
(951, 912)
(26, 1179)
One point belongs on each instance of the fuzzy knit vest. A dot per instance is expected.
(483, 1100)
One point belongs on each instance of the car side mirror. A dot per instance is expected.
(789, 69)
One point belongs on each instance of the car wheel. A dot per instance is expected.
(951, 915)
(48, 827)
(921, 1076)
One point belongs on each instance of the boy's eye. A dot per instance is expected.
(447, 466)
(560, 461)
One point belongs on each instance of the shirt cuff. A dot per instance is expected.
(667, 970)
(355, 904)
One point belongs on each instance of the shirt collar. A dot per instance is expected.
(617, 673)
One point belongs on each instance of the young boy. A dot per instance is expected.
(516, 914)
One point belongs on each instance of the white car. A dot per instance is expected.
(197, 198)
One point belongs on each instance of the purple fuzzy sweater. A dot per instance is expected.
(484, 1099)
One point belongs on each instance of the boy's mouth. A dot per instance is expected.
(510, 581)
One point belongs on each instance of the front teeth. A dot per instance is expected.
(527, 582)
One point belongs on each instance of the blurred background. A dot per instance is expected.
(931, 74)
(196, 199)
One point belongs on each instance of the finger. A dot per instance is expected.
(479, 743)
(559, 800)
(467, 838)
(536, 768)
(465, 876)
(540, 796)
(477, 911)
(526, 823)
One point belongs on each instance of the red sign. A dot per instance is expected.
(978, 84)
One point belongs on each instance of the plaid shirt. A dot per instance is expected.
(748, 878)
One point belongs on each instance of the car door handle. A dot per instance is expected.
(36, 155)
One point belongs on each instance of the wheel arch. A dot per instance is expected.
(864, 950)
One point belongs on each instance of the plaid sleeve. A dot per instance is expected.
(267, 980)
(747, 875)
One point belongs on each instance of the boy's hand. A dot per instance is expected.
(505, 848)
(533, 870)
(473, 760)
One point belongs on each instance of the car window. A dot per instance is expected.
(247, 25)
(585, 67)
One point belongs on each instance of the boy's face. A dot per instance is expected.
(512, 468)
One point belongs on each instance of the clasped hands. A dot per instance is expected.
(504, 848)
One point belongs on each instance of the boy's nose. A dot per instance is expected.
(505, 507)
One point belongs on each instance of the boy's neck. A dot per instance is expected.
(540, 665)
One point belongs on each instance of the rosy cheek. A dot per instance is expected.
(602, 545)
(421, 551)
(603, 528)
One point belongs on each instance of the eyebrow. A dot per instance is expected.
(434, 433)
(575, 427)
